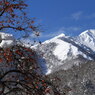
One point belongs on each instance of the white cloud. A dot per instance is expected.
(66, 30)
(77, 15)
(69, 30)
(50, 35)
(90, 16)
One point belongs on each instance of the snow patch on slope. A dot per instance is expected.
(66, 50)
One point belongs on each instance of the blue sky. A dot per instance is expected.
(63, 16)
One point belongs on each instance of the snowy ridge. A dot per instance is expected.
(87, 38)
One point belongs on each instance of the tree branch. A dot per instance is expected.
(4, 9)
(17, 28)
(11, 71)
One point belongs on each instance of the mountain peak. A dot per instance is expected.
(88, 32)
(60, 35)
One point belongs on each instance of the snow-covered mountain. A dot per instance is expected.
(62, 52)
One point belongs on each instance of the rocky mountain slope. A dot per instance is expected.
(78, 80)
